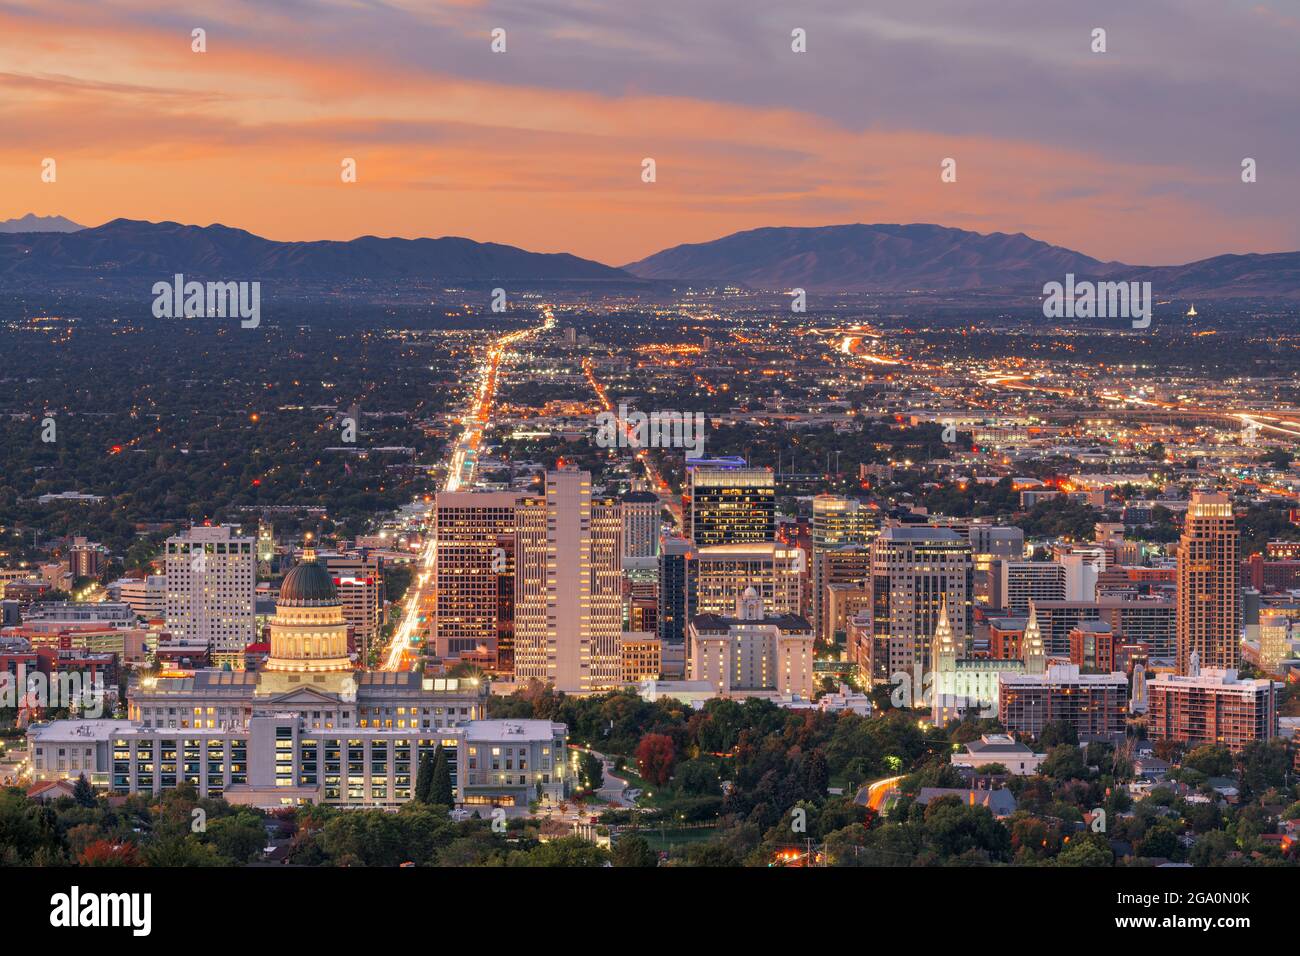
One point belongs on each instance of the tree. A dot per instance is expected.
(83, 792)
(952, 828)
(440, 789)
(238, 837)
(1064, 762)
(1211, 849)
(1057, 732)
(632, 850)
(696, 777)
(591, 772)
(1159, 841)
(1265, 763)
(182, 851)
(569, 851)
(1091, 850)
(1213, 760)
(424, 778)
(25, 826)
(655, 758)
(108, 853)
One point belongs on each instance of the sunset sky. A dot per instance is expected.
(1134, 154)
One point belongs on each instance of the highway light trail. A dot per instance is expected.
(655, 479)
(461, 466)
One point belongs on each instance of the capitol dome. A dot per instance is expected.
(308, 585)
(308, 632)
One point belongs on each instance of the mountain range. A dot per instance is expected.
(884, 259)
(923, 257)
(131, 248)
(34, 223)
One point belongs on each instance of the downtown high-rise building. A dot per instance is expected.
(841, 530)
(641, 510)
(568, 585)
(847, 564)
(359, 580)
(730, 504)
(1145, 620)
(1072, 577)
(720, 575)
(265, 547)
(1209, 592)
(914, 571)
(838, 521)
(1211, 706)
(474, 570)
(675, 556)
(211, 580)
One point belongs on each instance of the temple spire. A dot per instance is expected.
(1031, 647)
(944, 641)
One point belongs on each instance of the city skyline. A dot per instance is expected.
(856, 435)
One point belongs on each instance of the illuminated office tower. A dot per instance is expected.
(640, 527)
(914, 570)
(568, 585)
(1071, 578)
(840, 521)
(996, 542)
(359, 580)
(1274, 638)
(474, 566)
(752, 652)
(211, 579)
(991, 545)
(721, 574)
(846, 564)
(1209, 593)
(675, 556)
(731, 505)
(841, 530)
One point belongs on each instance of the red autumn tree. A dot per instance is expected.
(107, 853)
(655, 757)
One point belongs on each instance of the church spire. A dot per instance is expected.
(944, 641)
(1032, 650)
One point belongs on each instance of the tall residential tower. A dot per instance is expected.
(1209, 593)
(568, 585)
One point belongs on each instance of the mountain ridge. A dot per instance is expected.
(34, 223)
(886, 258)
(925, 257)
(129, 247)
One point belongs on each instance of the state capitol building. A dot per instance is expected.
(309, 727)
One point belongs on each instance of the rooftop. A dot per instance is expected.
(722, 622)
(490, 730)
